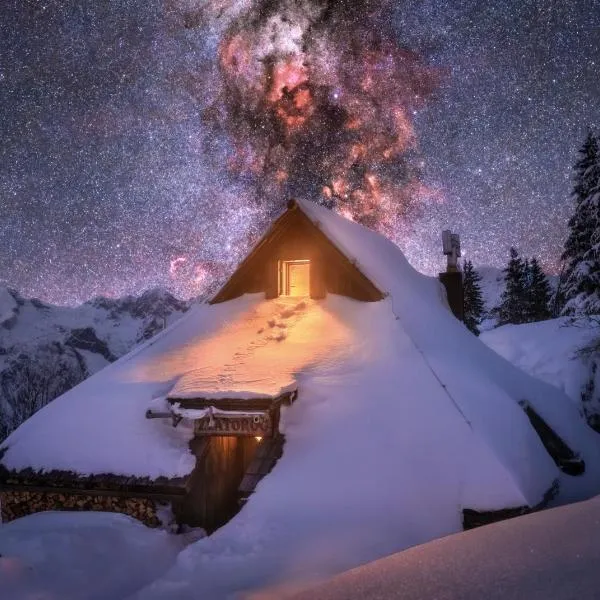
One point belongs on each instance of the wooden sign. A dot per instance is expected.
(236, 424)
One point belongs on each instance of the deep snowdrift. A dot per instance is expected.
(81, 556)
(553, 554)
(547, 350)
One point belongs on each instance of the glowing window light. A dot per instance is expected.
(294, 278)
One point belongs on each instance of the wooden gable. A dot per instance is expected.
(294, 237)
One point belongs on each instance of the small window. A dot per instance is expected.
(294, 278)
(566, 460)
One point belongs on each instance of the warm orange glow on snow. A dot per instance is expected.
(260, 349)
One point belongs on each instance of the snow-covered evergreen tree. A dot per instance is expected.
(581, 255)
(538, 293)
(512, 307)
(473, 299)
(526, 308)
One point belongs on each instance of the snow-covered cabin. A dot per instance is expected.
(328, 354)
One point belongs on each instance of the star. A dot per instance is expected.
(110, 169)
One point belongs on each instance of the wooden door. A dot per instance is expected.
(298, 277)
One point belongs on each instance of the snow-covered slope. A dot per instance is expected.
(553, 554)
(549, 555)
(47, 349)
(549, 350)
(8, 306)
(81, 556)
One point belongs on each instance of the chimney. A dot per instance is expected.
(453, 277)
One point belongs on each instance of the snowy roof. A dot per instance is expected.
(403, 417)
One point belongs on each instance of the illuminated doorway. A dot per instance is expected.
(294, 278)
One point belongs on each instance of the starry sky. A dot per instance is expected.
(111, 182)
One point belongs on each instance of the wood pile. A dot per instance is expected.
(15, 504)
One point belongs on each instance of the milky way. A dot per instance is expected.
(112, 179)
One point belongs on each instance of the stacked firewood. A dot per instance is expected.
(15, 504)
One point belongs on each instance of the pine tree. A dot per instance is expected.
(538, 292)
(581, 287)
(473, 300)
(558, 299)
(512, 304)
(527, 308)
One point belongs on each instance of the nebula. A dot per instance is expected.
(317, 99)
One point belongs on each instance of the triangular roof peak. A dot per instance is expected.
(306, 233)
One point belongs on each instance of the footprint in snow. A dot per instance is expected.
(278, 337)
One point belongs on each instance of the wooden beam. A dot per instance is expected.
(240, 404)
(76, 491)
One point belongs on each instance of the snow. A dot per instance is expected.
(120, 323)
(469, 371)
(546, 350)
(198, 385)
(82, 556)
(8, 305)
(403, 418)
(201, 413)
(103, 417)
(237, 350)
(94, 362)
(553, 554)
(492, 286)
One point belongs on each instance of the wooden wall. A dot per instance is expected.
(221, 462)
(295, 237)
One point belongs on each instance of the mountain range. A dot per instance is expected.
(47, 349)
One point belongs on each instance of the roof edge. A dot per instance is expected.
(352, 259)
(292, 206)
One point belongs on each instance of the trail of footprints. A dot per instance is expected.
(276, 329)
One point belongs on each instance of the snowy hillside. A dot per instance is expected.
(46, 349)
(549, 555)
(123, 557)
(549, 350)
(558, 561)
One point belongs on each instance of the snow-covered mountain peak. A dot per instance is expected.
(58, 346)
(8, 305)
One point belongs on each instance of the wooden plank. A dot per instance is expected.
(213, 497)
(249, 483)
(267, 455)
(129, 493)
(235, 404)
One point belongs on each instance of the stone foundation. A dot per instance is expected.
(16, 504)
